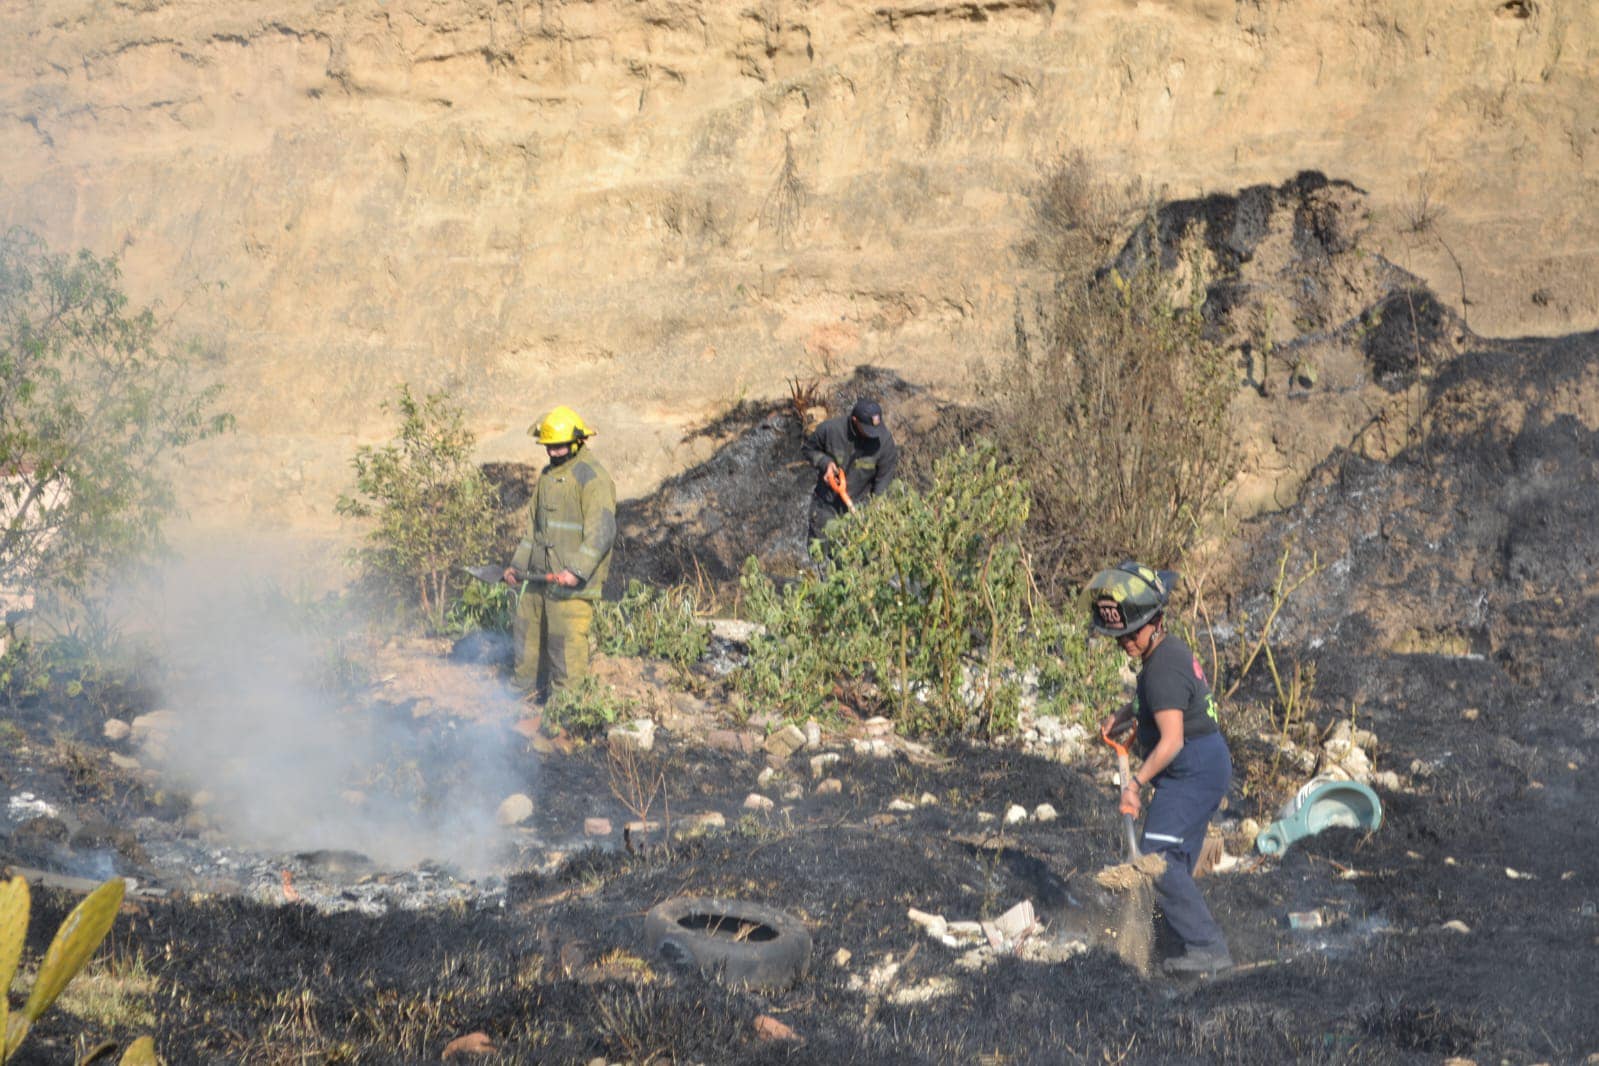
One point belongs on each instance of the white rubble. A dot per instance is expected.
(820, 763)
(26, 805)
(1001, 935)
(637, 735)
(735, 630)
(514, 810)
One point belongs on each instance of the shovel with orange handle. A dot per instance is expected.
(835, 481)
(1128, 810)
(493, 575)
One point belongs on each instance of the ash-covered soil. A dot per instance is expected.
(1453, 617)
(552, 966)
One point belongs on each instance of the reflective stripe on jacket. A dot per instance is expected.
(571, 526)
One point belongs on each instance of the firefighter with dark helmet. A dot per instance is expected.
(562, 562)
(1185, 757)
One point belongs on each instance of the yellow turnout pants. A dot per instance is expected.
(551, 637)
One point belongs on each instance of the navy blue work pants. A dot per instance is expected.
(1186, 794)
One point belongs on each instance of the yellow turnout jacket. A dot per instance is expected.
(572, 526)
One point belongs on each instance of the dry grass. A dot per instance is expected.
(114, 992)
(638, 781)
(85, 766)
(803, 396)
(1420, 225)
(1078, 215)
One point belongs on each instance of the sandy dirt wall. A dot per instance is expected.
(650, 210)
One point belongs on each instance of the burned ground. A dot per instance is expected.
(1453, 617)
(551, 965)
(554, 974)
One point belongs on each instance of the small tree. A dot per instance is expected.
(93, 404)
(434, 509)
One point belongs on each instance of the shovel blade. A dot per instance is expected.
(489, 574)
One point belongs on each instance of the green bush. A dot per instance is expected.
(660, 623)
(1078, 678)
(586, 707)
(926, 611)
(95, 402)
(1115, 405)
(62, 666)
(481, 606)
(434, 510)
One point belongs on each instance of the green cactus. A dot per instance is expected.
(13, 930)
(140, 1053)
(80, 934)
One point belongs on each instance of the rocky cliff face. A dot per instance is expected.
(651, 209)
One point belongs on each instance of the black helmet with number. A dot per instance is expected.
(1127, 597)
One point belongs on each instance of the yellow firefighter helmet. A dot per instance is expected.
(561, 426)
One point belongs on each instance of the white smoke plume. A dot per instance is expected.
(291, 767)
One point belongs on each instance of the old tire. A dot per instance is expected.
(739, 943)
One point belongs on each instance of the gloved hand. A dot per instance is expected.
(1132, 799)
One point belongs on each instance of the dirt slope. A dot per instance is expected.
(652, 210)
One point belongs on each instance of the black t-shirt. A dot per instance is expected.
(1172, 678)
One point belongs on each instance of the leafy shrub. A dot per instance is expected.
(27, 670)
(1116, 406)
(481, 606)
(587, 706)
(94, 404)
(660, 623)
(434, 509)
(60, 667)
(926, 611)
(1078, 679)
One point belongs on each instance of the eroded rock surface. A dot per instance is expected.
(653, 210)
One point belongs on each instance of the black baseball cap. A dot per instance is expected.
(868, 416)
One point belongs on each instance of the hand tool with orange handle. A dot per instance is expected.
(1126, 775)
(835, 481)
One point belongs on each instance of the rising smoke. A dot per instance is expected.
(290, 762)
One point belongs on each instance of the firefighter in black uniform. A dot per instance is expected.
(1186, 760)
(856, 450)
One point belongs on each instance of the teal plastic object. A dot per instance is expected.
(1322, 805)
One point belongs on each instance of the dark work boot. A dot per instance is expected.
(1199, 961)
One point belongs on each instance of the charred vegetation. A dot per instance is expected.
(1453, 618)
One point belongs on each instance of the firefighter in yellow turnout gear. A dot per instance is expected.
(564, 557)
